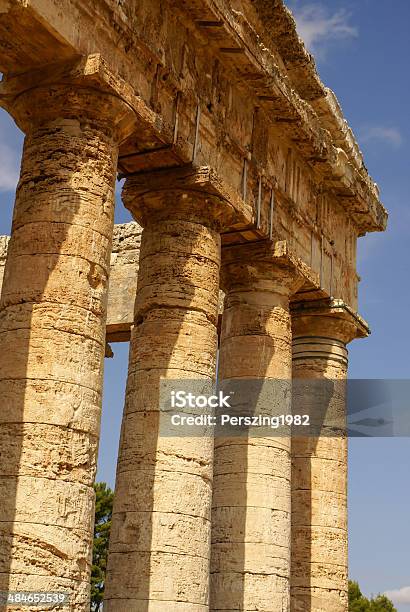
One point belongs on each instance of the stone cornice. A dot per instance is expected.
(283, 76)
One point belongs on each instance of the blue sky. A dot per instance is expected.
(362, 49)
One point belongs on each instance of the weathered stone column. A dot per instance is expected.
(251, 502)
(319, 464)
(52, 328)
(160, 541)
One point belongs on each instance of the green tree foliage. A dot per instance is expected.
(103, 513)
(359, 603)
(381, 604)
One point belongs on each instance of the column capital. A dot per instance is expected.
(263, 266)
(324, 320)
(187, 192)
(82, 88)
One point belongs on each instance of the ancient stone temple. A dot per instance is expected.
(245, 178)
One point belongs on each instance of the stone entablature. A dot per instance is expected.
(241, 108)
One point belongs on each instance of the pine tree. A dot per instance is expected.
(103, 513)
(359, 603)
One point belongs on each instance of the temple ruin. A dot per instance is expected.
(246, 179)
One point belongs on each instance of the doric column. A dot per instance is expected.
(160, 540)
(52, 327)
(319, 576)
(251, 502)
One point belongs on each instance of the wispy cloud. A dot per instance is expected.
(9, 168)
(316, 25)
(387, 135)
(399, 596)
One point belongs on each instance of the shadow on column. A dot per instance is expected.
(159, 545)
(248, 567)
(314, 393)
(257, 516)
(24, 287)
(45, 358)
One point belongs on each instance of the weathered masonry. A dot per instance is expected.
(245, 178)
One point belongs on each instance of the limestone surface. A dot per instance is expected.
(251, 510)
(160, 542)
(52, 326)
(319, 563)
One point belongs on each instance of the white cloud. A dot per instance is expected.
(316, 25)
(387, 135)
(9, 168)
(399, 596)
